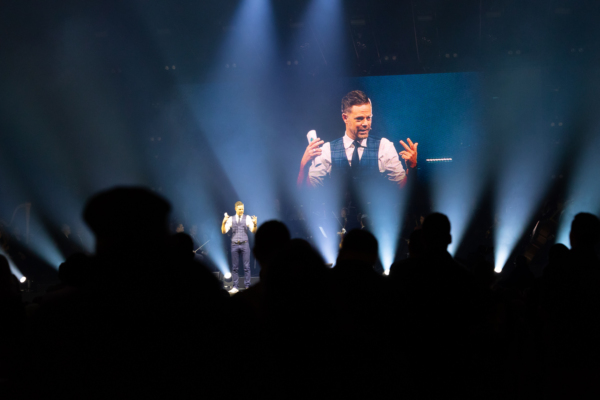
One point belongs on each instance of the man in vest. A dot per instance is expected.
(357, 155)
(239, 225)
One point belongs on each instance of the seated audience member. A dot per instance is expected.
(271, 238)
(557, 256)
(74, 275)
(571, 305)
(361, 319)
(520, 278)
(415, 250)
(443, 304)
(141, 320)
(297, 318)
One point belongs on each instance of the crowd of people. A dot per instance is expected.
(142, 318)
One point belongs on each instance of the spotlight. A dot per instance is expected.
(227, 275)
(23, 279)
(386, 272)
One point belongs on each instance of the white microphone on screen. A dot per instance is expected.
(312, 136)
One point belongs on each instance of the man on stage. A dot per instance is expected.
(357, 155)
(239, 225)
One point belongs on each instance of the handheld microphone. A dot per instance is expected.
(312, 136)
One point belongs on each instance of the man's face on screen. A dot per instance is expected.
(239, 210)
(358, 121)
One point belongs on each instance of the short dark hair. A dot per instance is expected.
(239, 203)
(270, 238)
(586, 229)
(436, 230)
(354, 98)
(128, 213)
(360, 241)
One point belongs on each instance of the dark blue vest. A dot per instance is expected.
(239, 230)
(369, 162)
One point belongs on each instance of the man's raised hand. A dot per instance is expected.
(410, 152)
(312, 151)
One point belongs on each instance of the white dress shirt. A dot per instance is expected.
(389, 162)
(229, 222)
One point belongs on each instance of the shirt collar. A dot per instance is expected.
(348, 142)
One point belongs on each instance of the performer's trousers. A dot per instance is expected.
(244, 250)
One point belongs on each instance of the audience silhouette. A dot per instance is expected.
(142, 318)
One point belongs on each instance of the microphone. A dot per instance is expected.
(312, 136)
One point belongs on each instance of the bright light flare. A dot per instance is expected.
(385, 218)
(43, 246)
(227, 275)
(584, 192)
(23, 279)
(13, 268)
(521, 187)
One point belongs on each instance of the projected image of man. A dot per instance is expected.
(239, 225)
(356, 155)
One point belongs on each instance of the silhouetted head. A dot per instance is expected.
(270, 239)
(436, 232)
(558, 252)
(75, 271)
(126, 217)
(585, 231)
(359, 245)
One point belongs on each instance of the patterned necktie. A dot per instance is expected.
(355, 158)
